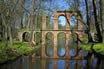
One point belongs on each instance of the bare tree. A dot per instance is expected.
(32, 22)
(99, 35)
(88, 23)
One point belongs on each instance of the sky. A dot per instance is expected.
(60, 5)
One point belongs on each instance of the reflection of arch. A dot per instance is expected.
(49, 43)
(61, 44)
(61, 22)
(25, 36)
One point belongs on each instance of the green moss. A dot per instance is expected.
(21, 48)
(86, 47)
(99, 48)
(38, 50)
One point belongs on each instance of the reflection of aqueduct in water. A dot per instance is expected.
(56, 31)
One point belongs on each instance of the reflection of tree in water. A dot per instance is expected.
(49, 44)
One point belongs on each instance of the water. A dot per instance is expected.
(37, 63)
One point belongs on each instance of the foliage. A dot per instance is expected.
(21, 48)
(38, 38)
(85, 39)
(86, 47)
(98, 48)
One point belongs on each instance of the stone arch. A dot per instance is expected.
(25, 35)
(73, 44)
(49, 43)
(61, 37)
(56, 31)
(61, 22)
(38, 38)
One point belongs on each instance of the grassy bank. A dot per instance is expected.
(12, 52)
(98, 48)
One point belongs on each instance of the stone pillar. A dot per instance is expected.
(68, 23)
(80, 35)
(55, 45)
(55, 21)
(20, 36)
(43, 22)
(67, 45)
(80, 26)
(55, 34)
(43, 45)
(33, 37)
(80, 22)
(43, 35)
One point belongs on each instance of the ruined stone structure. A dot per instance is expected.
(56, 31)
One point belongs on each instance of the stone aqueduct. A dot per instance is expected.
(56, 31)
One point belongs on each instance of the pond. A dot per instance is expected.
(38, 63)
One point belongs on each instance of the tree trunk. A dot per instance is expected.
(21, 22)
(102, 16)
(88, 28)
(6, 37)
(10, 35)
(99, 36)
(32, 23)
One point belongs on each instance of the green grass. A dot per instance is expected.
(99, 48)
(21, 48)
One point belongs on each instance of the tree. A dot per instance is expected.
(32, 22)
(88, 23)
(99, 35)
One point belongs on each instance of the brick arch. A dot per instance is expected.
(73, 39)
(24, 36)
(47, 53)
(59, 33)
(61, 19)
(55, 32)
